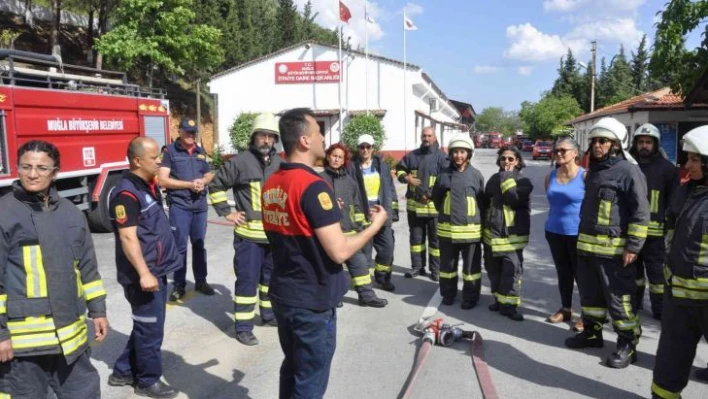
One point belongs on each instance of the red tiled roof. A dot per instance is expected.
(659, 99)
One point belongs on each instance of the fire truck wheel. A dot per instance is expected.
(98, 216)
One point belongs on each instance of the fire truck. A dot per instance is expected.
(89, 114)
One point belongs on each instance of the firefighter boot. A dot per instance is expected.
(373, 302)
(590, 337)
(625, 354)
(702, 374)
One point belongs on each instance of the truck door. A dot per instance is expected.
(4, 156)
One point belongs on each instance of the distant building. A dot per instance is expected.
(308, 75)
(662, 108)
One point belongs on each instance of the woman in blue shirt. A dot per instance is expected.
(565, 189)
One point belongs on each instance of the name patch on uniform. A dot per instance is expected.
(201, 157)
(325, 201)
(121, 217)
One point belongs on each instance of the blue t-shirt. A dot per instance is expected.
(565, 201)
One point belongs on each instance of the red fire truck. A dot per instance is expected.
(89, 114)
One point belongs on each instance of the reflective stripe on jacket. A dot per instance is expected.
(459, 198)
(508, 214)
(662, 180)
(244, 174)
(615, 210)
(346, 190)
(49, 276)
(425, 164)
(686, 266)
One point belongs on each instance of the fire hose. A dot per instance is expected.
(437, 332)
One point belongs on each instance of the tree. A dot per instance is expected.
(241, 130)
(288, 22)
(640, 67)
(490, 119)
(671, 61)
(56, 24)
(619, 79)
(152, 34)
(548, 116)
(364, 124)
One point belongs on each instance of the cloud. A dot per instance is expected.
(525, 70)
(413, 9)
(484, 69)
(602, 6)
(530, 44)
(614, 30)
(328, 17)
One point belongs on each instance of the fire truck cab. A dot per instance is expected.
(89, 114)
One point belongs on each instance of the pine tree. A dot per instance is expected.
(640, 67)
(307, 22)
(620, 79)
(288, 23)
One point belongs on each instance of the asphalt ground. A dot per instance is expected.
(376, 347)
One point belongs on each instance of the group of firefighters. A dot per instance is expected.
(625, 217)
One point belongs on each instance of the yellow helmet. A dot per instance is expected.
(266, 123)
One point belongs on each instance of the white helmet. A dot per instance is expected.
(611, 128)
(696, 141)
(266, 123)
(461, 141)
(648, 129)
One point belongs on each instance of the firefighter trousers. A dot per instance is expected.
(384, 243)
(681, 329)
(605, 284)
(504, 271)
(142, 356)
(358, 267)
(253, 265)
(650, 260)
(421, 228)
(187, 224)
(471, 269)
(30, 377)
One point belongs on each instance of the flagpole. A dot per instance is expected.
(366, 35)
(405, 87)
(341, 74)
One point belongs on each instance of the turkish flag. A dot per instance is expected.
(344, 14)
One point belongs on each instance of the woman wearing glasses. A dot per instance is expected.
(346, 190)
(46, 258)
(565, 189)
(506, 231)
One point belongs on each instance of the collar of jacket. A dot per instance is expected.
(259, 155)
(604, 163)
(336, 172)
(35, 199)
(375, 161)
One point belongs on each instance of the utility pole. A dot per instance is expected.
(592, 74)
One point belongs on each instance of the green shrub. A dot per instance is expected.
(390, 161)
(360, 125)
(217, 158)
(240, 131)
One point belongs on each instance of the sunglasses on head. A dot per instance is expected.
(601, 140)
(507, 159)
(364, 147)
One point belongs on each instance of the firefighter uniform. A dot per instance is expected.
(346, 191)
(49, 279)
(424, 163)
(188, 210)
(662, 179)
(685, 313)
(614, 218)
(505, 235)
(376, 188)
(459, 198)
(137, 203)
(253, 259)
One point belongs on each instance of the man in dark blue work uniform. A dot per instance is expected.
(185, 174)
(301, 219)
(145, 254)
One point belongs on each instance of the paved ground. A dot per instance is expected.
(376, 348)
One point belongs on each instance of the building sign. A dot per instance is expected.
(668, 143)
(307, 72)
(85, 125)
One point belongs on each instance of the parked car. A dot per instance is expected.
(496, 142)
(542, 149)
(527, 146)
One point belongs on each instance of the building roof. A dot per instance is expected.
(699, 91)
(654, 100)
(465, 109)
(357, 112)
(310, 42)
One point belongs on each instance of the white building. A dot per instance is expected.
(308, 75)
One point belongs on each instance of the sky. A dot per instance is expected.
(495, 52)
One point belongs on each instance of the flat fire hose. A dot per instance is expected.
(481, 369)
(423, 353)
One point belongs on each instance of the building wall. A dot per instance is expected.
(253, 89)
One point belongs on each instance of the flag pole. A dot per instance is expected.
(366, 35)
(405, 87)
(341, 74)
